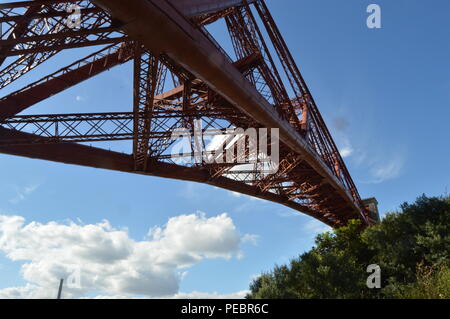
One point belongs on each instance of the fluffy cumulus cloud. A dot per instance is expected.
(102, 260)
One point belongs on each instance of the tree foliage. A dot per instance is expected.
(411, 247)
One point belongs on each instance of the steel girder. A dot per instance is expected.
(34, 31)
(198, 8)
(65, 78)
(77, 154)
(208, 87)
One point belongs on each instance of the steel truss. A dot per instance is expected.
(172, 93)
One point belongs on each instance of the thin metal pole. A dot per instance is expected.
(60, 288)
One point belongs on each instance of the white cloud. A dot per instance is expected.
(346, 148)
(380, 164)
(250, 238)
(385, 170)
(388, 171)
(346, 151)
(112, 263)
(22, 193)
(244, 196)
(255, 276)
(27, 292)
(315, 227)
(236, 194)
(289, 213)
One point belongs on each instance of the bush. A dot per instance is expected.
(411, 247)
(432, 283)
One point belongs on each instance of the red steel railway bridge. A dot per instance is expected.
(181, 74)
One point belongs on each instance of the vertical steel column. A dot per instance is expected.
(146, 75)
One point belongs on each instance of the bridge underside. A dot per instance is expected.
(182, 77)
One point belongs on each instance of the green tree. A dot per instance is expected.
(402, 241)
(433, 282)
(336, 266)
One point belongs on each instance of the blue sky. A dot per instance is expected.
(384, 94)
